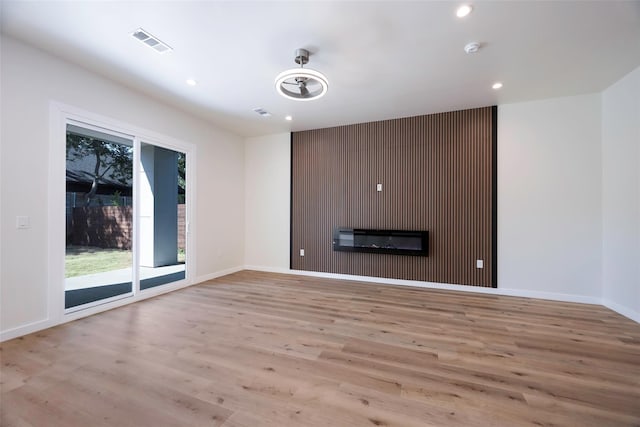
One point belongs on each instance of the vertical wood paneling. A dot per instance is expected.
(436, 173)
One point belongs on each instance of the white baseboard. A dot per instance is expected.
(621, 309)
(29, 328)
(269, 269)
(584, 299)
(217, 274)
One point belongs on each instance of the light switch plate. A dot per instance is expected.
(479, 263)
(301, 252)
(379, 187)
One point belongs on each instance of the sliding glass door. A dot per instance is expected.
(125, 216)
(99, 215)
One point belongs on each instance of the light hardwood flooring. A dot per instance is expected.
(258, 349)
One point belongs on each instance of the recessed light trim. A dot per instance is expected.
(148, 39)
(496, 85)
(288, 118)
(464, 10)
(191, 82)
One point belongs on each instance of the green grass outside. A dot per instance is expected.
(81, 260)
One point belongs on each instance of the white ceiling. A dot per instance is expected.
(383, 59)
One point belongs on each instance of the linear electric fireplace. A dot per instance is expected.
(399, 242)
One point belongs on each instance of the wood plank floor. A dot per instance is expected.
(259, 349)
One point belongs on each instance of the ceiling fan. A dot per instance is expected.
(301, 84)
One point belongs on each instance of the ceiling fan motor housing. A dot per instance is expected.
(302, 56)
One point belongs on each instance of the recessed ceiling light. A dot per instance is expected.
(497, 85)
(288, 118)
(191, 82)
(463, 10)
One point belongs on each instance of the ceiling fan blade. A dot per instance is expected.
(303, 89)
(289, 83)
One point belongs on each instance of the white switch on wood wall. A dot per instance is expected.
(301, 252)
(379, 187)
(479, 263)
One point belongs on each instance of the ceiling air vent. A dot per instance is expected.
(151, 41)
(262, 112)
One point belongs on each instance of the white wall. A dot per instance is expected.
(549, 196)
(30, 79)
(621, 195)
(267, 202)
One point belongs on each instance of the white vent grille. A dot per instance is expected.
(151, 41)
(262, 112)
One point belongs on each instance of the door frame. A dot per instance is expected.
(60, 115)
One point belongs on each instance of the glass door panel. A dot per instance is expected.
(99, 216)
(162, 222)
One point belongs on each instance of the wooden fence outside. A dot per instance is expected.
(111, 227)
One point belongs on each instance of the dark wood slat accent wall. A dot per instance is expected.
(437, 175)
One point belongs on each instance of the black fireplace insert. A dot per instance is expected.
(399, 242)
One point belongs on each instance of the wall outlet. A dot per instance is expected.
(379, 187)
(301, 252)
(479, 263)
(22, 222)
